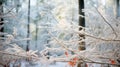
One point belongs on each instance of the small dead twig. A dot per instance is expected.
(21, 56)
(98, 38)
(60, 43)
(103, 63)
(106, 21)
(9, 10)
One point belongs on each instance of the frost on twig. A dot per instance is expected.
(64, 42)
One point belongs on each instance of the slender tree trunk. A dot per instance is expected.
(36, 37)
(81, 23)
(28, 27)
(117, 8)
(1, 13)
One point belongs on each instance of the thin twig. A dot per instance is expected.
(2, 52)
(106, 21)
(65, 47)
(103, 63)
(98, 38)
(25, 39)
(9, 10)
(60, 43)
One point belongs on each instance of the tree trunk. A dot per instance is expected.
(81, 23)
(1, 19)
(28, 27)
(36, 37)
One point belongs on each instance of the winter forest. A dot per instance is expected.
(59, 33)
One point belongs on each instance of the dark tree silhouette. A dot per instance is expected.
(81, 23)
(1, 13)
(28, 27)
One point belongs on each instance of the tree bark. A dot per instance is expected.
(28, 27)
(81, 23)
(1, 19)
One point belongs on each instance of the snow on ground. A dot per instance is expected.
(57, 64)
